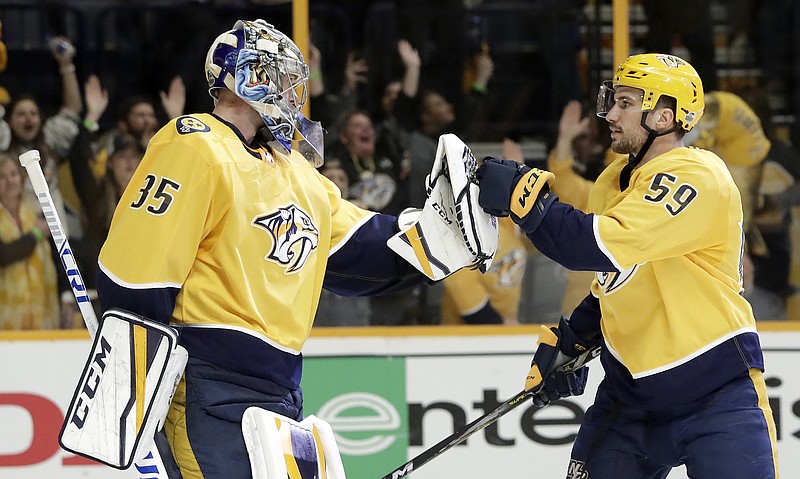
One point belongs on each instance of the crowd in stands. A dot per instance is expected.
(378, 151)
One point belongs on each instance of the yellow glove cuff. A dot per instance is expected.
(535, 377)
(527, 190)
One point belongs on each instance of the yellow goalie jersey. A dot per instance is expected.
(230, 244)
(668, 254)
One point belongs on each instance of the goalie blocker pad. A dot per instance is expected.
(125, 390)
(451, 231)
(279, 447)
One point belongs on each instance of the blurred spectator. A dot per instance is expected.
(376, 167)
(582, 143)
(100, 191)
(431, 116)
(780, 190)
(332, 170)
(25, 123)
(173, 101)
(137, 117)
(327, 107)
(402, 91)
(472, 297)
(770, 285)
(52, 137)
(437, 30)
(5, 97)
(422, 119)
(377, 171)
(335, 310)
(28, 289)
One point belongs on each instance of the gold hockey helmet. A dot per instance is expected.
(658, 74)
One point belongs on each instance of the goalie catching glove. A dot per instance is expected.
(451, 231)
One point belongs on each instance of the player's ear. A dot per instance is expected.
(665, 118)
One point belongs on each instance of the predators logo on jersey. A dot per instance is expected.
(611, 282)
(190, 124)
(510, 268)
(294, 236)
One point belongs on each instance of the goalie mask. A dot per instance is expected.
(265, 68)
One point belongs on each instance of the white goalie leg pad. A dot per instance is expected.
(280, 447)
(125, 390)
(451, 231)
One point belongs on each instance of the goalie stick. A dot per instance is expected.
(151, 466)
(483, 421)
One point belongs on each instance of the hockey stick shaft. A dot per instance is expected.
(151, 466)
(30, 161)
(482, 422)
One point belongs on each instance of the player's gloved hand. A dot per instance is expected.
(562, 384)
(511, 188)
(556, 346)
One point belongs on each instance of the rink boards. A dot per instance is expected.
(389, 394)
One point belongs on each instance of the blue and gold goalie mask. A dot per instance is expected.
(265, 68)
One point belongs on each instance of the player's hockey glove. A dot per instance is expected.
(451, 231)
(556, 346)
(511, 188)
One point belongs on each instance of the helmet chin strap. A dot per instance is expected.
(634, 159)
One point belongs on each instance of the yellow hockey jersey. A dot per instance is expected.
(733, 131)
(468, 290)
(676, 238)
(230, 244)
(736, 134)
(668, 255)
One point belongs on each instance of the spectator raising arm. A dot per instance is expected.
(174, 100)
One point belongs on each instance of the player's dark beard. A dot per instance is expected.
(631, 143)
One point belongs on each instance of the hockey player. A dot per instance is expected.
(228, 233)
(684, 377)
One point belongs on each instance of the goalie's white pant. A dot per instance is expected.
(204, 425)
(280, 447)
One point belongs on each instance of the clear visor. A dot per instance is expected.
(311, 142)
(605, 98)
